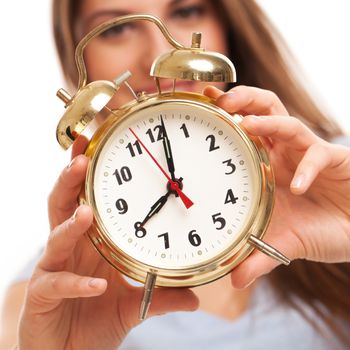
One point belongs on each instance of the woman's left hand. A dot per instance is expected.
(311, 216)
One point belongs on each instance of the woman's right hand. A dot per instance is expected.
(76, 300)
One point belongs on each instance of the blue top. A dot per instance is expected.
(266, 324)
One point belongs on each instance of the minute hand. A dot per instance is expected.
(167, 150)
(173, 184)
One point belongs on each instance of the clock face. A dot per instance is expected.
(214, 167)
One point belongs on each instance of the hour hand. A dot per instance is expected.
(167, 150)
(156, 207)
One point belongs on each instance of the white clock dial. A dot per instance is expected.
(218, 176)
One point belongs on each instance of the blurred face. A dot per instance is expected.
(134, 46)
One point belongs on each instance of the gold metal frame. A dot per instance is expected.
(181, 63)
(215, 267)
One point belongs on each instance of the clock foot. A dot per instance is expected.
(147, 295)
(268, 250)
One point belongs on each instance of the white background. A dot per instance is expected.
(317, 31)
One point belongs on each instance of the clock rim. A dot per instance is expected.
(217, 266)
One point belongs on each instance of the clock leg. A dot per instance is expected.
(147, 295)
(268, 250)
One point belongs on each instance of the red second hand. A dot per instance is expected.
(173, 185)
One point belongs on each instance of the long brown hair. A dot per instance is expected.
(263, 60)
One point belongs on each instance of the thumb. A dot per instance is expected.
(173, 299)
(259, 264)
(164, 300)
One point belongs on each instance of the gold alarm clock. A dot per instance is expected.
(180, 193)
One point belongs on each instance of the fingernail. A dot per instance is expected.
(75, 214)
(213, 87)
(298, 181)
(95, 282)
(252, 119)
(250, 283)
(230, 95)
(258, 117)
(71, 163)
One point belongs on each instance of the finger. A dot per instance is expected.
(212, 92)
(64, 238)
(317, 158)
(283, 128)
(164, 300)
(247, 100)
(79, 145)
(251, 269)
(48, 290)
(259, 264)
(63, 199)
(173, 299)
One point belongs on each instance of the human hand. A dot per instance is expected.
(311, 217)
(75, 300)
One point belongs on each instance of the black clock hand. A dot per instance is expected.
(174, 184)
(140, 231)
(167, 150)
(155, 208)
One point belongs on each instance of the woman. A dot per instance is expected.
(310, 220)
